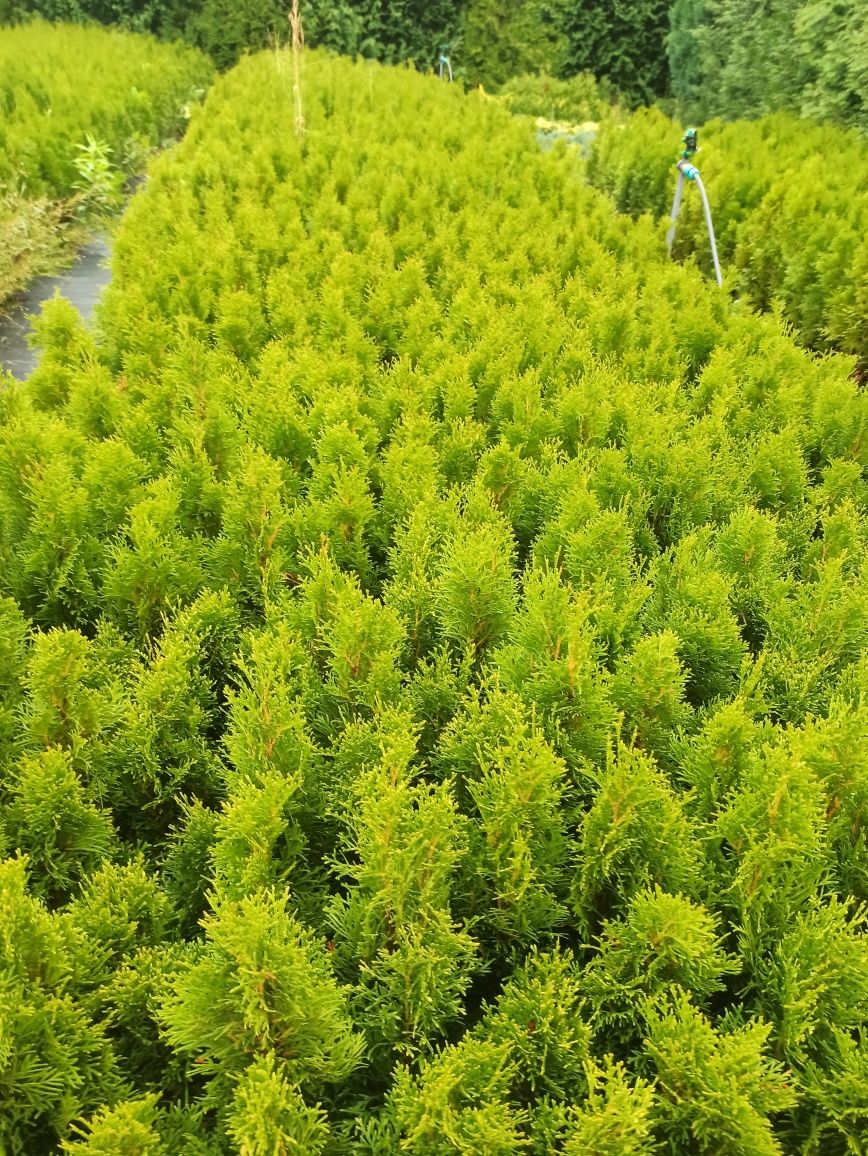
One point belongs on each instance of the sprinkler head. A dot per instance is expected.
(691, 143)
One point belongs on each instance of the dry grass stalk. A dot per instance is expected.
(297, 50)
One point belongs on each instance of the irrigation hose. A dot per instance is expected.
(707, 210)
(676, 209)
(689, 172)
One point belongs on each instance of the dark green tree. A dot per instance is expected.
(500, 40)
(621, 40)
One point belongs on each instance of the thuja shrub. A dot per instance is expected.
(82, 108)
(432, 667)
(789, 232)
(63, 82)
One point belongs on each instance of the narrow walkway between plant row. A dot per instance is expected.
(82, 284)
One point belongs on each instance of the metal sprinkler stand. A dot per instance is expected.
(687, 171)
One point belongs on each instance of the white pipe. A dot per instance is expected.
(689, 172)
(708, 223)
(676, 209)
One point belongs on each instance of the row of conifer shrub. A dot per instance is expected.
(60, 83)
(789, 199)
(432, 665)
(80, 108)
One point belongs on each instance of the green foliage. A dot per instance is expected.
(388, 30)
(522, 861)
(554, 663)
(539, 1016)
(616, 1120)
(50, 819)
(81, 108)
(269, 1115)
(501, 41)
(831, 40)
(576, 98)
(121, 907)
(66, 88)
(476, 591)
(814, 987)
(634, 835)
(748, 75)
(714, 1088)
(99, 185)
(621, 42)
(683, 52)
(13, 656)
(31, 239)
(261, 983)
(772, 835)
(459, 1103)
(56, 1061)
(128, 1127)
(790, 233)
(662, 940)
(805, 56)
(394, 927)
(649, 688)
(432, 665)
(225, 29)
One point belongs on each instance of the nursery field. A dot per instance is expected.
(433, 674)
(80, 108)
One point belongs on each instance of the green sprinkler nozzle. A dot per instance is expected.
(691, 144)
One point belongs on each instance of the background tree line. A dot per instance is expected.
(727, 58)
